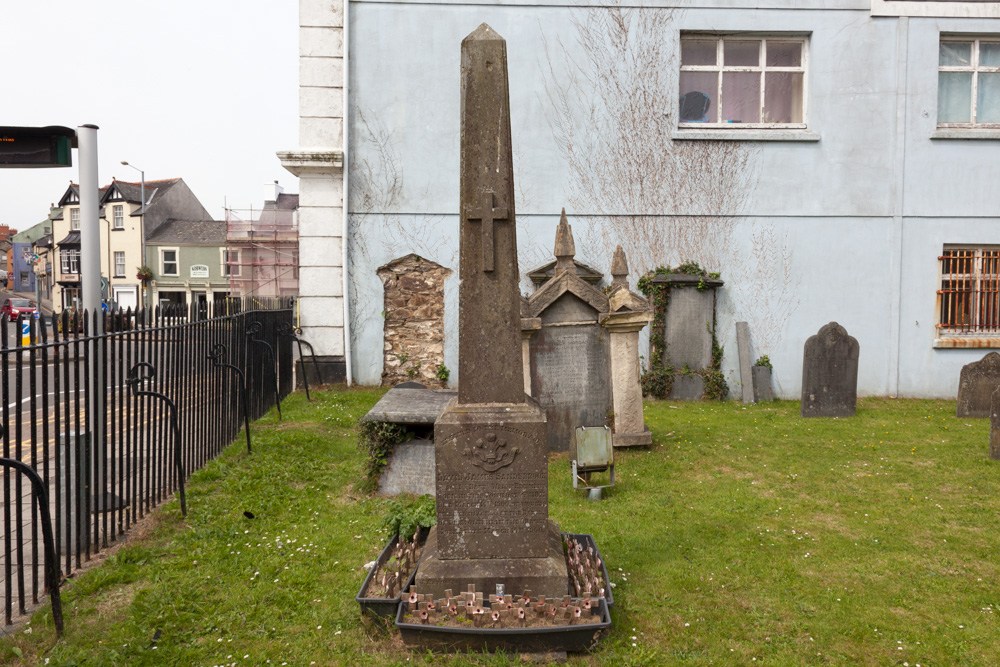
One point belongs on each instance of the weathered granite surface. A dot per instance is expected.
(410, 470)
(762, 390)
(411, 406)
(489, 300)
(976, 385)
(628, 314)
(830, 373)
(491, 461)
(995, 426)
(746, 364)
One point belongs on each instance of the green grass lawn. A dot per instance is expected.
(745, 535)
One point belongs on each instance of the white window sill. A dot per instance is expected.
(967, 342)
(684, 134)
(965, 134)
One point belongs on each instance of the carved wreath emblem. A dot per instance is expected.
(491, 453)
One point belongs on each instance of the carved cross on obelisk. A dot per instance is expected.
(489, 307)
(486, 214)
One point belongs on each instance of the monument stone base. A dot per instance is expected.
(644, 439)
(542, 576)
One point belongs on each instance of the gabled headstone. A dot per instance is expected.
(976, 385)
(491, 464)
(570, 354)
(830, 373)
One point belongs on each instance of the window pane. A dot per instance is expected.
(955, 54)
(784, 54)
(783, 97)
(989, 54)
(697, 52)
(741, 97)
(741, 54)
(988, 104)
(699, 91)
(954, 97)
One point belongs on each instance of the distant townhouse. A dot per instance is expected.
(123, 217)
(188, 262)
(23, 256)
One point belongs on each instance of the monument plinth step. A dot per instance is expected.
(545, 576)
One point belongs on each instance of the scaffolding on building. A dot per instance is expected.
(262, 249)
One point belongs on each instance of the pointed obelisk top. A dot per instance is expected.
(619, 269)
(565, 248)
(483, 33)
(489, 308)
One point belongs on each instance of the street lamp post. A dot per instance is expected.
(142, 221)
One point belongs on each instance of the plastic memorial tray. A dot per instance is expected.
(569, 638)
(587, 540)
(386, 607)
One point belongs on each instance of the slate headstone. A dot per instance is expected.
(995, 426)
(762, 392)
(976, 385)
(410, 470)
(491, 465)
(830, 373)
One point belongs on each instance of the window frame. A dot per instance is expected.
(118, 214)
(176, 262)
(69, 262)
(119, 254)
(74, 219)
(761, 67)
(975, 69)
(230, 268)
(982, 330)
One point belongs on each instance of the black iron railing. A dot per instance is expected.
(107, 455)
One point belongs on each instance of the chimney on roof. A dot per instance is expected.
(273, 190)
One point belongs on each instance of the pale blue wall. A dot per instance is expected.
(859, 216)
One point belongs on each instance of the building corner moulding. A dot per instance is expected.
(306, 162)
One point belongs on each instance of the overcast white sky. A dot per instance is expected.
(204, 90)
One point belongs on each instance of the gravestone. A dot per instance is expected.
(410, 470)
(995, 426)
(762, 392)
(830, 373)
(746, 367)
(976, 385)
(628, 314)
(411, 405)
(491, 463)
(689, 326)
(570, 354)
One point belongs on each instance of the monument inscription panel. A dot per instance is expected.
(492, 486)
(571, 369)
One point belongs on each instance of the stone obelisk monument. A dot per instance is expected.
(490, 451)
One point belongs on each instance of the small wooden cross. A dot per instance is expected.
(486, 215)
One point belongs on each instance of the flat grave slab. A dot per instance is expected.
(411, 406)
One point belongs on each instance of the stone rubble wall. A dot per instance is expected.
(414, 321)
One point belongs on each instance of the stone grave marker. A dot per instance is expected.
(976, 385)
(746, 367)
(995, 426)
(491, 461)
(570, 355)
(830, 373)
(628, 314)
